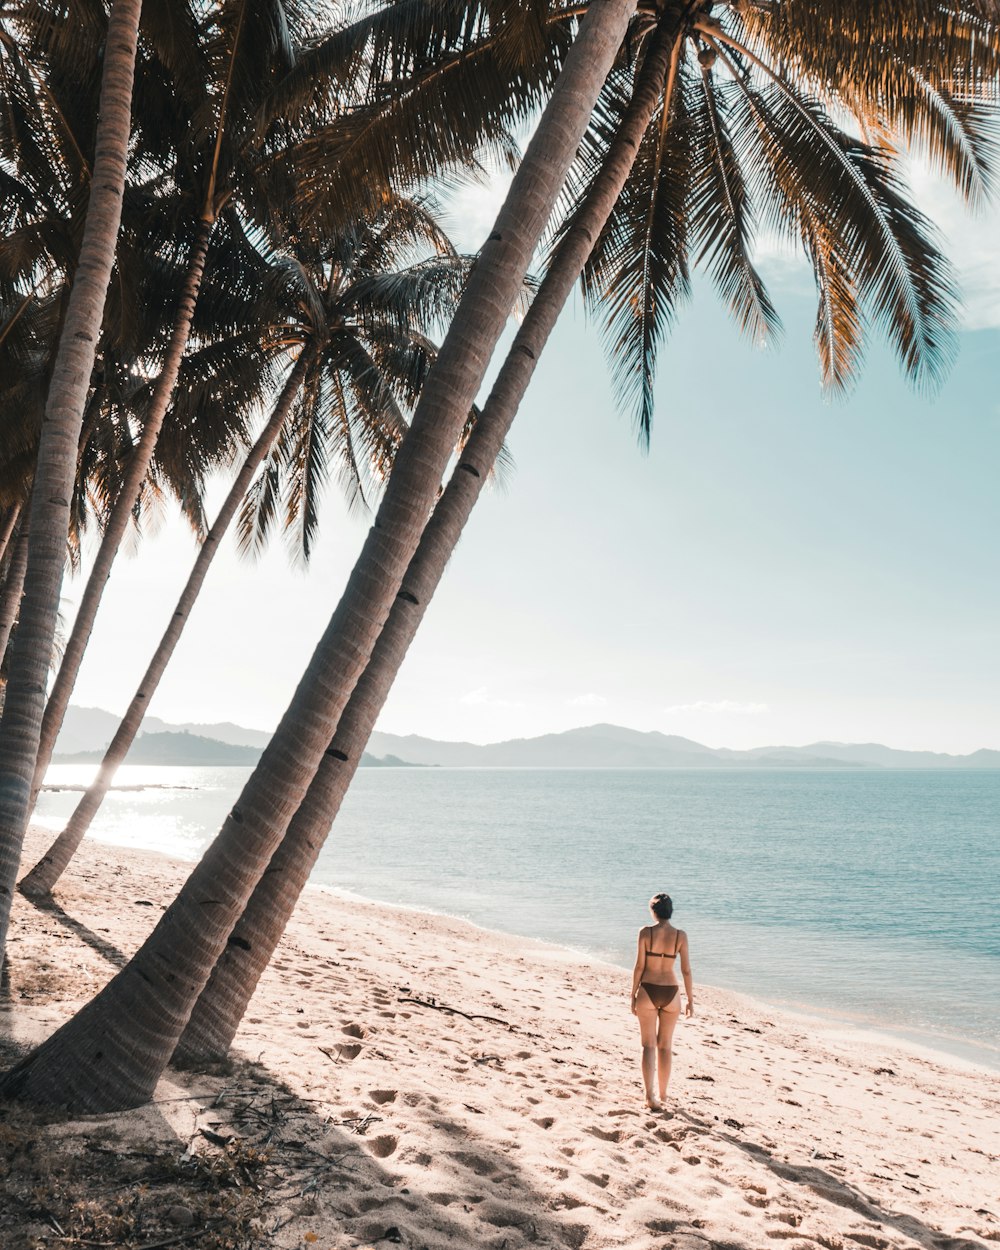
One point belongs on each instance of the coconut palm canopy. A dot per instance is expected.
(793, 123)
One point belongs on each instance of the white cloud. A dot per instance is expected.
(727, 706)
(587, 700)
(971, 242)
(481, 697)
(969, 239)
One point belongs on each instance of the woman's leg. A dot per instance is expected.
(647, 1017)
(667, 1019)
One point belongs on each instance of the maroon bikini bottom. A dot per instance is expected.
(659, 995)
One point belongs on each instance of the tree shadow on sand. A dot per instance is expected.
(317, 1176)
(107, 950)
(839, 1193)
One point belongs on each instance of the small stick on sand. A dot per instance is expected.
(423, 1002)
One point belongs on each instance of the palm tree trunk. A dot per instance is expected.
(221, 1005)
(10, 599)
(40, 880)
(112, 1052)
(121, 513)
(7, 531)
(56, 467)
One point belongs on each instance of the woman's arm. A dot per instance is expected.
(686, 974)
(640, 963)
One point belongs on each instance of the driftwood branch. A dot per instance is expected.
(454, 1011)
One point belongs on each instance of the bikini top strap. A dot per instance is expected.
(677, 942)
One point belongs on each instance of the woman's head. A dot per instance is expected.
(661, 906)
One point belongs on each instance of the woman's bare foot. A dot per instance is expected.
(654, 1104)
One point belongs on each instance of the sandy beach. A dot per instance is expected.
(411, 1079)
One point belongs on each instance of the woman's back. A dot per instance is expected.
(662, 944)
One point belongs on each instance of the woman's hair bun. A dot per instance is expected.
(662, 907)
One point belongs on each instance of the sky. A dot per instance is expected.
(777, 568)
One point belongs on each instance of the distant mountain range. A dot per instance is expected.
(611, 746)
(87, 731)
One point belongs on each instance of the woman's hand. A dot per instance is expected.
(689, 1009)
(634, 1011)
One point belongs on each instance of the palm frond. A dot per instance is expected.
(721, 217)
(637, 277)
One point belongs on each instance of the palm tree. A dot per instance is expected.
(360, 325)
(13, 586)
(97, 1060)
(642, 254)
(57, 455)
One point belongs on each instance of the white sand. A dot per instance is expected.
(430, 1129)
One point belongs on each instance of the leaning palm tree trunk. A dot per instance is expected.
(20, 727)
(10, 597)
(121, 513)
(7, 532)
(112, 1052)
(40, 880)
(221, 1005)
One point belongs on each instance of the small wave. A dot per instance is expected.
(56, 787)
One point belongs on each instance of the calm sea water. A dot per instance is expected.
(869, 896)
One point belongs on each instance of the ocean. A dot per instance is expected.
(865, 896)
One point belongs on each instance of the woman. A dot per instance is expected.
(656, 994)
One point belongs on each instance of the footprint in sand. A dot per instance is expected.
(347, 1052)
(354, 1030)
(479, 1164)
(382, 1147)
(613, 1134)
(663, 1226)
(601, 1180)
(382, 1096)
(545, 1121)
(567, 1202)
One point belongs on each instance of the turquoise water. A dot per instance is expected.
(866, 895)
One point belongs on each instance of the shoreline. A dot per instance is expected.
(457, 1086)
(944, 1047)
(966, 1052)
